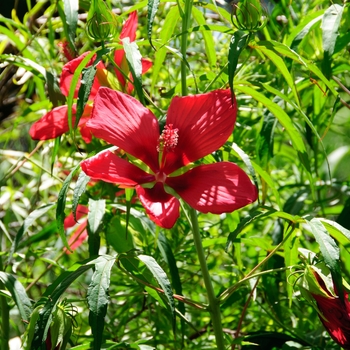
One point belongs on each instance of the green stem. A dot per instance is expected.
(5, 315)
(214, 306)
(186, 20)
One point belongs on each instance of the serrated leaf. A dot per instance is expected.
(26, 224)
(51, 297)
(161, 278)
(151, 14)
(79, 189)
(98, 297)
(95, 216)
(61, 204)
(18, 294)
(117, 238)
(133, 57)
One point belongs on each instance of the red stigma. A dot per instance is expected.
(168, 139)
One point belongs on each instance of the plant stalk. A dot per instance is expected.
(214, 305)
(186, 20)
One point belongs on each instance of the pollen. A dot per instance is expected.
(168, 139)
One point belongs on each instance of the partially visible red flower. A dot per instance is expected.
(55, 123)
(335, 313)
(195, 127)
(65, 49)
(128, 31)
(80, 233)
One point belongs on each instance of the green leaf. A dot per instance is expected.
(165, 34)
(238, 43)
(98, 297)
(71, 8)
(328, 248)
(207, 36)
(151, 12)
(281, 66)
(73, 84)
(50, 299)
(330, 25)
(61, 204)
(26, 224)
(133, 58)
(279, 113)
(117, 237)
(18, 294)
(95, 216)
(79, 189)
(161, 278)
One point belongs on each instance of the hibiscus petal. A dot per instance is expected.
(55, 123)
(124, 122)
(81, 211)
(68, 72)
(215, 188)
(146, 65)
(162, 208)
(78, 237)
(129, 27)
(204, 124)
(109, 167)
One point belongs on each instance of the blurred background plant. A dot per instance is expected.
(291, 75)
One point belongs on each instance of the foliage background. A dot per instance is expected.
(286, 66)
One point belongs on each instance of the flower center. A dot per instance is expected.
(160, 177)
(168, 139)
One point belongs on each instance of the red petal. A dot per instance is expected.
(68, 72)
(146, 65)
(120, 61)
(161, 207)
(124, 122)
(204, 124)
(69, 221)
(215, 188)
(109, 167)
(55, 123)
(129, 27)
(78, 237)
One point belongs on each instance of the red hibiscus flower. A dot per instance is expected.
(195, 127)
(55, 123)
(128, 31)
(334, 313)
(80, 233)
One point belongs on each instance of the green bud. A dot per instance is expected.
(102, 24)
(249, 15)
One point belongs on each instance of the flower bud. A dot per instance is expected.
(101, 23)
(249, 15)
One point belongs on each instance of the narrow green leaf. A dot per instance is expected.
(95, 216)
(151, 12)
(246, 160)
(328, 248)
(161, 278)
(50, 300)
(281, 66)
(54, 153)
(71, 8)
(73, 84)
(330, 25)
(207, 36)
(26, 224)
(87, 80)
(332, 227)
(61, 204)
(288, 52)
(133, 58)
(238, 43)
(279, 113)
(18, 294)
(98, 297)
(79, 189)
(165, 34)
